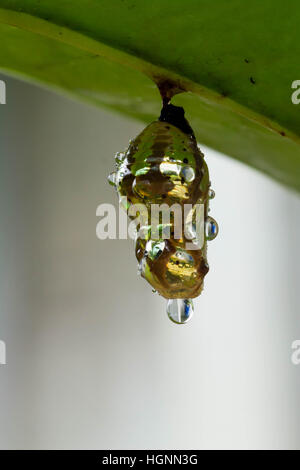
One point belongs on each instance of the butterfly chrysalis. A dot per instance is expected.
(163, 168)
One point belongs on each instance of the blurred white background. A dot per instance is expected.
(92, 360)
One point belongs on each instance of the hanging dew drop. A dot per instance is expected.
(180, 311)
(211, 194)
(211, 228)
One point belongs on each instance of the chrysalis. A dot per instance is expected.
(164, 168)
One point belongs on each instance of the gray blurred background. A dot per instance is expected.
(92, 360)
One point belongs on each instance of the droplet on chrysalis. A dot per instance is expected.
(180, 311)
(188, 174)
(211, 193)
(154, 249)
(211, 228)
(112, 178)
(119, 157)
(142, 267)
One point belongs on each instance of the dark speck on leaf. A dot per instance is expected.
(252, 80)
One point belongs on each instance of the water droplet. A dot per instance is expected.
(119, 157)
(167, 168)
(142, 267)
(211, 228)
(183, 256)
(112, 178)
(180, 310)
(211, 193)
(188, 174)
(154, 249)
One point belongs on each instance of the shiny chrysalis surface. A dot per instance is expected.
(164, 166)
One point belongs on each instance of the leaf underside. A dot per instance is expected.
(235, 62)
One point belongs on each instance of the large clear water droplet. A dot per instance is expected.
(180, 311)
(211, 228)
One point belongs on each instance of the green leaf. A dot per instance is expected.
(236, 60)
